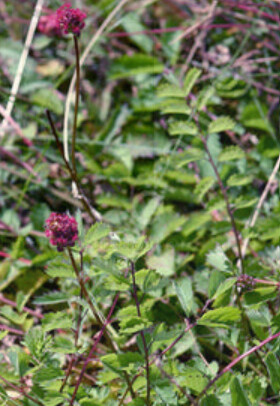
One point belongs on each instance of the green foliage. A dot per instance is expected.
(152, 95)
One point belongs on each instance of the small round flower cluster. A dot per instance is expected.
(49, 25)
(70, 19)
(245, 282)
(62, 230)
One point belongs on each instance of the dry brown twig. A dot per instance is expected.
(21, 65)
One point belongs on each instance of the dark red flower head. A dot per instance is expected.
(62, 230)
(49, 25)
(70, 19)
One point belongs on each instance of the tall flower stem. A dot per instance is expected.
(87, 206)
(79, 320)
(77, 95)
(93, 349)
(146, 351)
(87, 298)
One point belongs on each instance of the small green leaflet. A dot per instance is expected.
(219, 260)
(137, 64)
(191, 155)
(96, 232)
(204, 96)
(203, 187)
(193, 379)
(52, 298)
(53, 321)
(231, 153)
(182, 128)
(190, 79)
(238, 395)
(273, 367)
(172, 106)
(222, 315)
(185, 294)
(221, 124)
(239, 180)
(224, 286)
(167, 90)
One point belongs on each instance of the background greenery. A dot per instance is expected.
(165, 80)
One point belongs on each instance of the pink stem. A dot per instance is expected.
(236, 361)
(93, 348)
(11, 330)
(26, 309)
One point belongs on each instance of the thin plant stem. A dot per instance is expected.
(252, 222)
(93, 349)
(58, 143)
(88, 300)
(146, 351)
(173, 380)
(21, 391)
(245, 319)
(76, 108)
(94, 214)
(233, 363)
(22, 63)
(71, 363)
(86, 52)
(226, 199)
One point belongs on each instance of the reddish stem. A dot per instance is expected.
(11, 330)
(234, 362)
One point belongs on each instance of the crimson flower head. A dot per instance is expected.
(49, 25)
(70, 19)
(62, 230)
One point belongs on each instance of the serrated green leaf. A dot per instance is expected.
(224, 286)
(134, 324)
(173, 106)
(238, 395)
(239, 180)
(59, 320)
(137, 64)
(167, 90)
(185, 294)
(193, 379)
(191, 155)
(242, 202)
(204, 96)
(52, 298)
(219, 260)
(35, 340)
(221, 124)
(182, 128)
(203, 187)
(223, 315)
(96, 232)
(273, 367)
(231, 153)
(190, 79)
